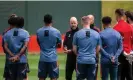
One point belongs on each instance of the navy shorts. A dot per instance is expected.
(86, 71)
(18, 71)
(50, 69)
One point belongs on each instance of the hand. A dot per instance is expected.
(67, 51)
(15, 58)
(113, 59)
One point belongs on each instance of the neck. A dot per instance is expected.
(47, 25)
(86, 26)
(121, 18)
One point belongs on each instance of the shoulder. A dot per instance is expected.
(116, 25)
(55, 30)
(96, 29)
(39, 30)
(94, 32)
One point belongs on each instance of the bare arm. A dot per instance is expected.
(75, 49)
(97, 50)
(23, 49)
(7, 49)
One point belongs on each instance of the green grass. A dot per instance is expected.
(33, 62)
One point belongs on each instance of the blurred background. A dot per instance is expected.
(33, 12)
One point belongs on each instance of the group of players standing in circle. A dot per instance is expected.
(82, 47)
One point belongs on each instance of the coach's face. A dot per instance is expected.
(73, 24)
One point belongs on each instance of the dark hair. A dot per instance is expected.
(129, 15)
(12, 15)
(12, 21)
(106, 20)
(47, 19)
(20, 22)
(120, 12)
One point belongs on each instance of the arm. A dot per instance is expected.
(25, 45)
(75, 49)
(120, 48)
(7, 49)
(65, 42)
(23, 49)
(75, 44)
(97, 50)
(102, 49)
(59, 42)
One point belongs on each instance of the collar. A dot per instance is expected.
(121, 21)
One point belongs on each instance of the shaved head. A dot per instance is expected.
(73, 22)
(73, 19)
(91, 17)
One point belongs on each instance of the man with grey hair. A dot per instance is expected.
(86, 44)
(71, 57)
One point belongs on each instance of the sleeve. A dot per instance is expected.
(5, 38)
(65, 40)
(37, 38)
(120, 48)
(103, 52)
(59, 38)
(75, 40)
(99, 41)
(27, 37)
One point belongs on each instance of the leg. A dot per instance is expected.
(81, 71)
(6, 74)
(113, 71)
(53, 70)
(13, 71)
(105, 71)
(128, 67)
(22, 71)
(70, 66)
(121, 67)
(91, 71)
(42, 70)
(97, 61)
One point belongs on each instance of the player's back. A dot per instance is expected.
(87, 40)
(110, 43)
(15, 39)
(47, 39)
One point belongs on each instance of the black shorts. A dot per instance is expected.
(18, 71)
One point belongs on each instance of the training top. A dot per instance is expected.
(15, 38)
(86, 41)
(48, 38)
(126, 32)
(111, 45)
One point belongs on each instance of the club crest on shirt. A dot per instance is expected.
(69, 35)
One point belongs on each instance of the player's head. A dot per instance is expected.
(48, 19)
(85, 21)
(106, 21)
(91, 20)
(73, 23)
(119, 14)
(129, 16)
(12, 15)
(12, 21)
(20, 22)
